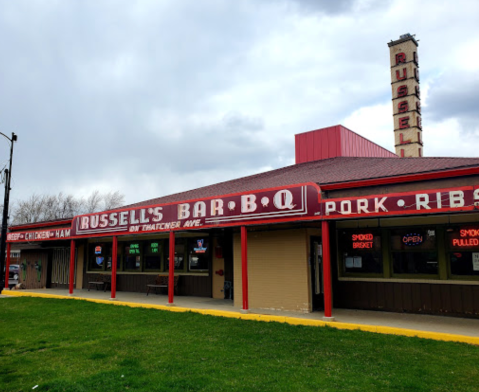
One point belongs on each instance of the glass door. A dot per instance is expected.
(316, 254)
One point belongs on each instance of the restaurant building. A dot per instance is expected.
(349, 225)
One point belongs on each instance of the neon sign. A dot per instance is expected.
(154, 247)
(362, 241)
(412, 239)
(200, 248)
(134, 249)
(98, 250)
(469, 233)
(461, 242)
(469, 237)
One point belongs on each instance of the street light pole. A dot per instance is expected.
(3, 238)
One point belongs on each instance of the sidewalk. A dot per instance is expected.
(426, 326)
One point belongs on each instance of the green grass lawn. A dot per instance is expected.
(68, 345)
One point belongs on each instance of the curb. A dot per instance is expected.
(267, 318)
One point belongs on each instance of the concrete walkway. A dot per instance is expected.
(432, 327)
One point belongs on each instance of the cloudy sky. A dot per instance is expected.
(156, 97)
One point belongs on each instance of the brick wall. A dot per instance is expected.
(278, 270)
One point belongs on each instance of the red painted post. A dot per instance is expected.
(72, 264)
(7, 264)
(114, 257)
(326, 269)
(244, 266)
(171, 270)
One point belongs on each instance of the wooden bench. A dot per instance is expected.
(161, 282)
(99, 280)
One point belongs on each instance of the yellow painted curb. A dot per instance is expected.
(268, 318)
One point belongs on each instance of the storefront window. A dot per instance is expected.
(132, 257)
(414, 251)
(153, 255)
(99, 255)
(463, 250)
(180, 250)
(360, 251)
(198, 254)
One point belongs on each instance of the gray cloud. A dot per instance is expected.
(455, 95)
(156, 97)
(325, 6)
(338, 7)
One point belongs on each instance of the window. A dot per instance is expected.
(191, 254)
(99, 255)
(198, 254)
(414, 251)
(180, 250)
(360, 251)
(153, 255)
(132, 257)
(463, 250)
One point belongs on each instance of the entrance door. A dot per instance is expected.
(228, 289)
(317, 273)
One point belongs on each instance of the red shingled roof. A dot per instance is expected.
(326, 171)
(64, 222)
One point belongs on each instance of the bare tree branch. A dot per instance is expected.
(92, 203)
(113, 200)
(39, 208)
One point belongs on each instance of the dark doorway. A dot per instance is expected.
(227, 245)
(316, 254)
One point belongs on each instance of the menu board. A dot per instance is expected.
(475, 261)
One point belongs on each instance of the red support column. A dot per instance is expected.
(326, 270)
(114, 257)
(171, 270)
(72, 265)
(7, 264)
(244, 266)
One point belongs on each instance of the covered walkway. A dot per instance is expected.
(426, 326)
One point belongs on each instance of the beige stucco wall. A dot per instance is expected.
(278, 270)
(408, 134)
(410, 150)
(412, 75)
(403, 70)
(412, 121)
(410, 84)
(407, 47)
(411, 100)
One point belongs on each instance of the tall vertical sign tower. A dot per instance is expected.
(406, 96)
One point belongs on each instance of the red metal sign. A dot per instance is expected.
(420, 202)
(283, 204)
(297, 202)
(35, 236)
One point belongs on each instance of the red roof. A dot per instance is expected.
(323, 172)
(64, 222)
(326, 172)
(335, 141)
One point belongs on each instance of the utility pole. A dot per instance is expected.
(3, 238)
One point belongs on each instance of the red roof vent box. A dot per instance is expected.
(336, 141)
